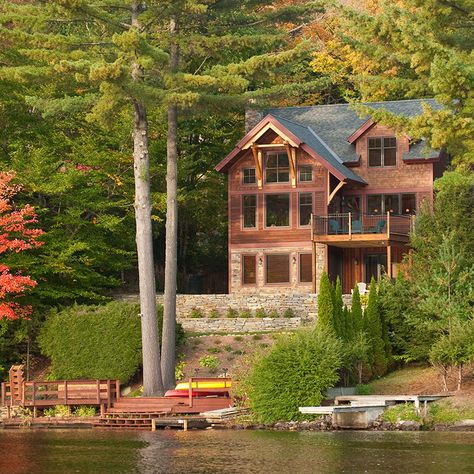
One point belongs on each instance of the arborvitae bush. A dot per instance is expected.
(375, 332)
(96, 342)
(338, 315)
(296, 371)
(356, 311)
(325, 303)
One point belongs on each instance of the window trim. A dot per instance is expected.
(305, 226)
(242, 216)
(265, 272)
(289, 226)
(383, 211)
(276, 152)
(243, 176)
(299, 268)
(242, 255)
(382, 151)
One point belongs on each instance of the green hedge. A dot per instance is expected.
(295, 372)
(97, 342)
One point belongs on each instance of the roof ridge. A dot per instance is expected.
(347, 104)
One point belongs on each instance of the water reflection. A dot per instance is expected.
(87, 451)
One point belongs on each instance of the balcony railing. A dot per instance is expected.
(355, 224)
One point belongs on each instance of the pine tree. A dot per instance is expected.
(375, 332)
(326, 303)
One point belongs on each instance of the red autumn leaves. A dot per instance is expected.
(17, 233)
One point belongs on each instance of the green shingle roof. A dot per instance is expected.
(331, 125)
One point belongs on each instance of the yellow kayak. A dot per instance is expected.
(204, 384)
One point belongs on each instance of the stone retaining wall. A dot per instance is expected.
(304, 307)
(243, 325)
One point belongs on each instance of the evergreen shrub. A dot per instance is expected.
(296, 371)
(96, 342)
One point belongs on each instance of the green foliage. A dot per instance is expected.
(260, 313)
(257, 337)
(209, 362)
(356, 311)
(196, 313)
(214, 350)
(325, 303)
(246, 313)
(338, 311)
(238, 338)
(444, 412)
(179, 369)
(273, 314)
(59, 411)
(231, 313)
(84, 411)
(374, 330)
(289, 313)
(95, 342)
(296, 371)
(213, 314)
(402, 412)
(363, 389)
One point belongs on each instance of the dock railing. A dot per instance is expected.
(61, 392)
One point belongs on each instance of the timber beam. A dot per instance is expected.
(257, 157)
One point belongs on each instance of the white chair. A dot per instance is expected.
(362, 288)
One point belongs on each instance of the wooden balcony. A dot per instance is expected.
(356, 230)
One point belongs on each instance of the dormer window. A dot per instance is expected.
(382, 151)
(277, 168)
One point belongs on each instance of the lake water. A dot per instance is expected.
(210, 451)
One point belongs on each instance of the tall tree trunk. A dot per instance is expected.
(152, 380)
(168, 348)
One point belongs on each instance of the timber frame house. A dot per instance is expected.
(319, 188)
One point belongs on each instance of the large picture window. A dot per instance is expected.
(249, 209)
(249, 269)
(277, 210)
(305, 208)
(382, 151)
(397, 204)
(277, 168)
(306, 273)
(277, 268)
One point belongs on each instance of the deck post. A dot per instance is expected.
(33, 397)
(350, 226)
(153, 424)
(185, 424)
(389, 261)
(109, 393)
(102, 409)
(313, 265)
(388, 224)
(98, 391)
(117, 390)
(65, 392)
(4, 390)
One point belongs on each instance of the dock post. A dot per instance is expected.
(153, 424)
(185, 424)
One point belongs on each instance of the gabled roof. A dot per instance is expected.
(328, 133)
(336, 123)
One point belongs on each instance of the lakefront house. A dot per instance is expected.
(318, 188)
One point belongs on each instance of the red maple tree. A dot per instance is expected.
(17, 233)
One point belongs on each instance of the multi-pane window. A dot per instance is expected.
(306, 173)
(305, 208)
(382, 151)
(277, 268)
(249, 210)
(248, 176)
(306, 273)
(277, 210)
(249, 269)
(277, 168)
(397, 204)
